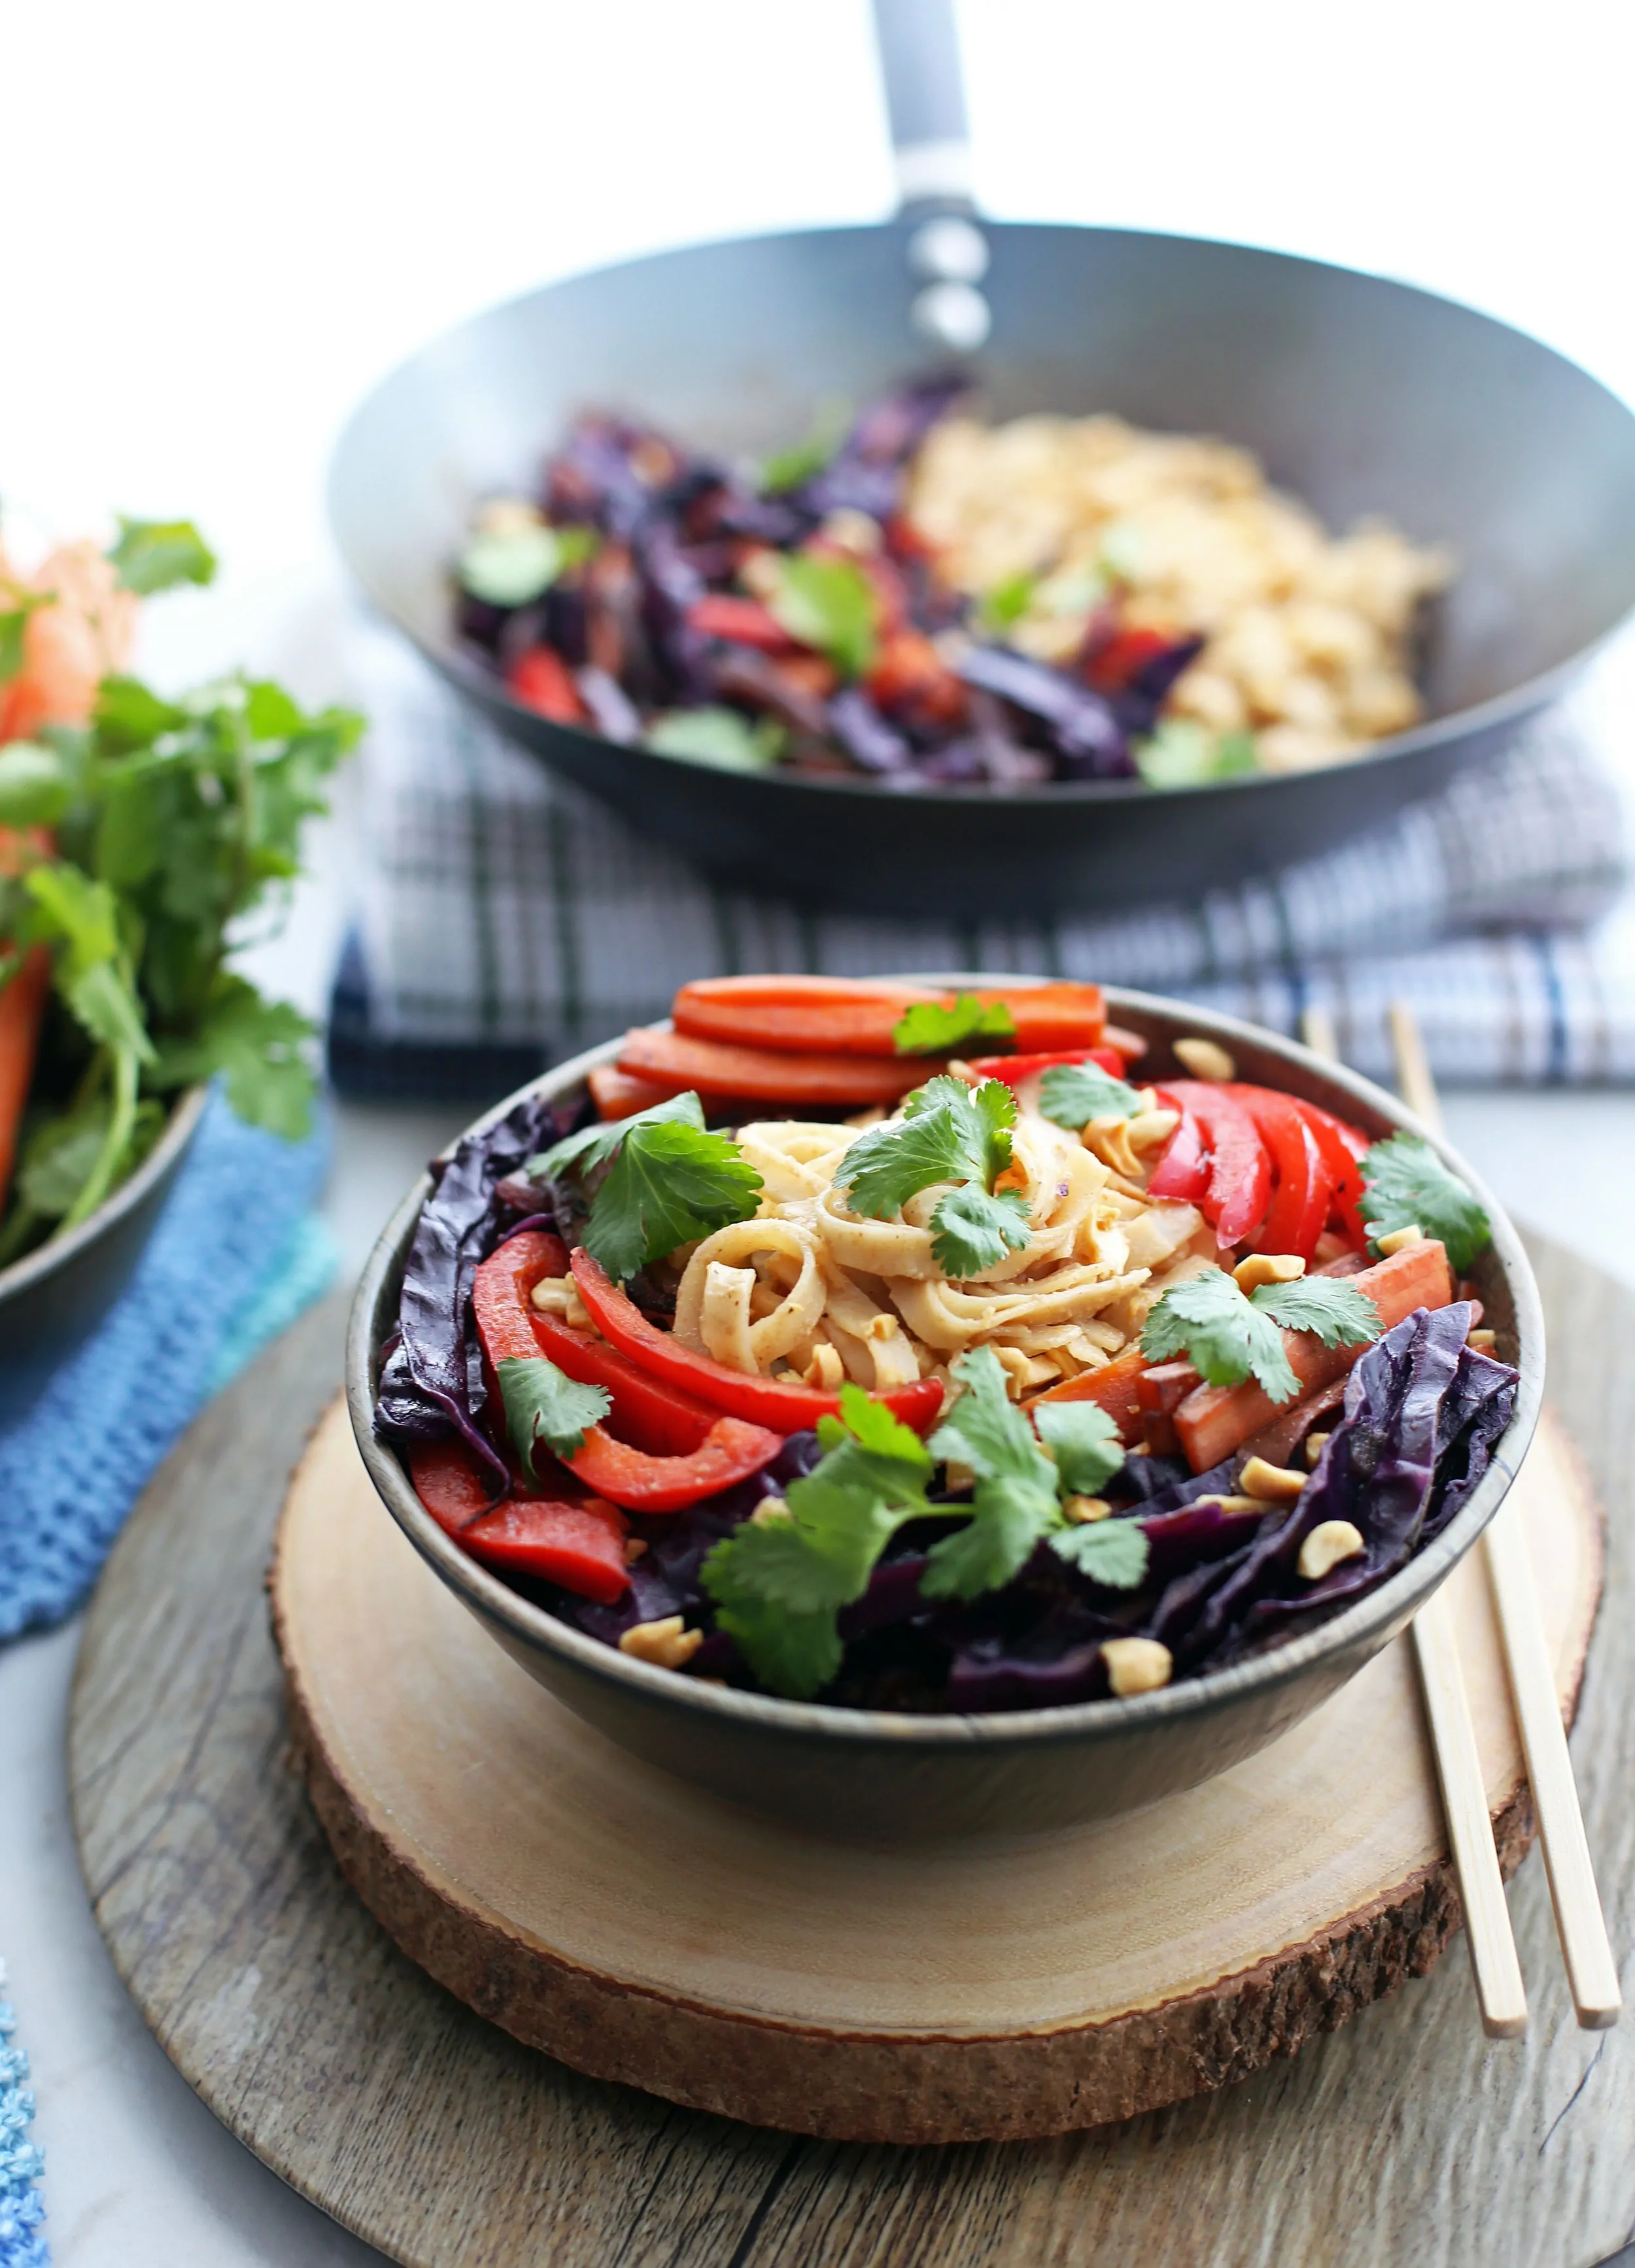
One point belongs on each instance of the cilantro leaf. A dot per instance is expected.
(1085, 1441)
(593, 1146)
(829, 604)
(93, 974)
(872, 1428)
(669, 1183)
(723, 737)
(1336, 1312)
(542, 1403)
(1227, 1336)
(778, 1595)
(1003, 605)
(1072, 1094)
(260, 1048)
(1014, 1502)
(792, 467)
(971, 1230)
(156, 555)
(37, 785)
(1184, 754)
(1011, 1513)
(935, 1028)
(985, 1429)
(1111, 1551)
(512, 567)
(946, 1134)
(1407, 1184)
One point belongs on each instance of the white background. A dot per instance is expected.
(222, 222)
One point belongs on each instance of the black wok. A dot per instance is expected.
(1360, 395)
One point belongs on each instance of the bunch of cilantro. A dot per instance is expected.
(139, 845)
(781, 1581)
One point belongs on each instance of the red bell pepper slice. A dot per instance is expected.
(540, 679)
(1342, 1147)
(773, 1402)
(579, 1546)
(717, 1451)
(1111, 665)
(645, 1411)
(1013, 1069)
(731, 1451)
(1240, 1171)
(1304, 1189)
(739, 622)
(1183, 1170)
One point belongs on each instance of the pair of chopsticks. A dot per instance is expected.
(1592, 1972)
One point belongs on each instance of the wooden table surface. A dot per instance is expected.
(1403, 2138)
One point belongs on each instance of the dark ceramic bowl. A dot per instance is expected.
(854, 1772)
(51, 1301)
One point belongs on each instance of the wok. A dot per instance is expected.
(1360, 394)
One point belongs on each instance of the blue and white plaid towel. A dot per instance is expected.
(505, 917)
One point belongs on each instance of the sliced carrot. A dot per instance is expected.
(1217, 1419)
(22, 1011)
(763, 1075)
(1116, 1388)
(829, 1015)
(616, 1094)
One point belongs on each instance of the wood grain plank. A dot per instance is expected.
(1404, 2137)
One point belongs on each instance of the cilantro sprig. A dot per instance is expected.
(829, 604)
(781, 1581)
(1229, 1335)
(664, 1181)
(948, 1132)
(172, 823)
(1405, 1183)
(936, 1027)
(542, 1403)
(1072, 1094)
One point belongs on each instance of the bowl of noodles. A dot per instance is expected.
(941, 1510)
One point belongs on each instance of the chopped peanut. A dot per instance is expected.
(1271, 1484)
(1135, 1665)
(1205, 1059)
(1482, 1342)
(1315, 1443)
(1329, 1542)
(1268, 1268)
(668, 1644)
(1399, 1240)
(1082, 1508)
(1233, 1504)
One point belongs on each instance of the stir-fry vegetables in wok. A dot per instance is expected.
(927, 602)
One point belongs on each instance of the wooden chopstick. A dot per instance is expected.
(1500, 1991)
(1592, 1972)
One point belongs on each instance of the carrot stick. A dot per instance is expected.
(22, 1011)
(616, 1094)
(826, 1015)
(679, 1061)
(1217, 1419)
(1114, 1387)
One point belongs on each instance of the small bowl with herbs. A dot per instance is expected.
(137, 835)
(945, 1407)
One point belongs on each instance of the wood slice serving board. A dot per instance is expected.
(1405, 2136)
(645, 1931)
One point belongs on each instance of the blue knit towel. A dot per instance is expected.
(235, 1256)
(21, 2210)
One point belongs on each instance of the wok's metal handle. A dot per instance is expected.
(919, 61)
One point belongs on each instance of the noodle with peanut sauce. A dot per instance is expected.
(809, 1289)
